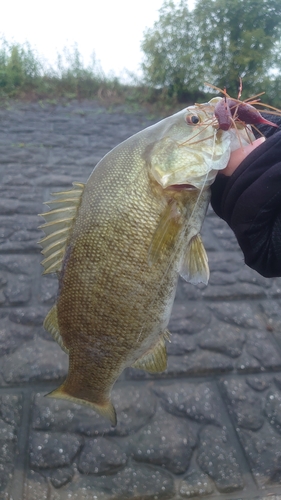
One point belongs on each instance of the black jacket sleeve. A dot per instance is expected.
(250, 202)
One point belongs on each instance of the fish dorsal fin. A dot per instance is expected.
(195, 268)
(59, 221)
(166, 232)
(154, 360)
(51, 324)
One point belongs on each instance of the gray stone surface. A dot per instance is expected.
(244, 404)
(101, 456)
(51, 451)
(36, 360)
(10, 416)
(167, 441)
(196, 484)
(198, 402)
(218, 459)
(210, 425)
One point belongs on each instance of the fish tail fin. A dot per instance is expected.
(105, 409)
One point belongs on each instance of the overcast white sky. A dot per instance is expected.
(111, 28)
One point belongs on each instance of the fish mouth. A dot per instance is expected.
(180, 187)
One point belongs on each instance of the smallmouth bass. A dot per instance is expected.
(119, 242)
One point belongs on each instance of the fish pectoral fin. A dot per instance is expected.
(195, 268)
(52, 326)
(165, 235)
(106, 409)
(154, 360)
(59, 222)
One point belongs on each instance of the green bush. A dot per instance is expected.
(20, 69)
(22, 75)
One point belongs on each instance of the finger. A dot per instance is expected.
(239, 155)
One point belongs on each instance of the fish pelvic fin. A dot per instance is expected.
(166, 233)
(155, 359)
(51, 324)
(58, 226)
(195, 268)
(106, 409)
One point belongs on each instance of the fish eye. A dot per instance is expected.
(192, 119)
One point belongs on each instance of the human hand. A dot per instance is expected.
(238, 156)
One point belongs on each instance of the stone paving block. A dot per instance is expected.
(35, 487)
(59, 476)
(196, 484)
(189, 317)
(52, 450)
(225, 262)
(18, 291)
(245, 404)
(272, 408)
(227, 240)
(60, 181)
(36, 361)
(101, 456)
(222, 278)
(181, 344)
(19, 233)
(199, 402)
(30, 316)
(10, 416)
(259, 383)
(48, 289)
(12, 336)
(256, 410)
(167, 441)
(262, 449)
(271, 310)
(247, 275)
(218, 459)
(238, 314)
(17, 264)
(274, 292)
(223, 338)
(247, 364)
(261, 346)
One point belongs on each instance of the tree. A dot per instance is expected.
(218, 42)
(237, 38)
(168, 49)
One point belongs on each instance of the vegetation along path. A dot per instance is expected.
(209, 425)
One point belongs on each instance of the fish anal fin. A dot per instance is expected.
(106, 409)
(166, 233)
(195, 268)
(52, 326)
(58, 226)
(154, 360)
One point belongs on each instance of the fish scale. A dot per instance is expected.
(135, 226)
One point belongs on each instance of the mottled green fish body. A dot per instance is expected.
(119, 243)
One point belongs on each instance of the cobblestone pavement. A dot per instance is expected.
(210, 425)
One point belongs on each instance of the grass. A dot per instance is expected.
(24, 76)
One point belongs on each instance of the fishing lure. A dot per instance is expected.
(231, 112)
